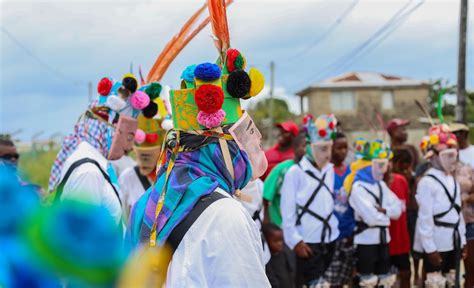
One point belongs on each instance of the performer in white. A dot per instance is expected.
(374, 205)
(440, 229)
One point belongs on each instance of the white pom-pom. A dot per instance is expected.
(115, 103)
(167, 124)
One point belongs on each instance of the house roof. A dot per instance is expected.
(363, 80)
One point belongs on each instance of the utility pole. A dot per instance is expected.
(89, 85)
(461, 85)
(270, 114)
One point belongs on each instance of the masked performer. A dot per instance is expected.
(307, 204)
(152, 124)
(212, 152)
(374, 205)
(440, 229)
(104, 132)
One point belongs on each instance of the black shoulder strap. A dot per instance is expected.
(182, 228)
(452, 199)
(143, 179)
(377, 199)
(76, 164)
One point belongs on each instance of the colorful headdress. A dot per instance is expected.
(320, 129)
(210, 93)
(369, 150)
(439, 138)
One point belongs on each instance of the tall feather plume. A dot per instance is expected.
(423, 109)
(172, 48)
(382, 125)
(220, 28)
(177, 44)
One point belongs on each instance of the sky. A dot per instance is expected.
(51, 50)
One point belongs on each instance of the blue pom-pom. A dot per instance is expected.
(188, 73)
(207, 71)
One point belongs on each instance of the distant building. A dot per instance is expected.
(356, 97)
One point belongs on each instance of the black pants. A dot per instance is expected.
(309, 269)
(373, 259)
(449, 263)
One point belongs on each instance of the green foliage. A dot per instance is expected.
(35, 166)
(261, 113)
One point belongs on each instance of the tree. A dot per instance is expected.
(260, 113)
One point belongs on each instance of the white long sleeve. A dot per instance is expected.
(296, 191)
(432, 200)
(288, 207)
(365, 207)
(393, 205)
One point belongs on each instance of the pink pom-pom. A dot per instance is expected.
(140, 136)
(211, 120)
(139, 100)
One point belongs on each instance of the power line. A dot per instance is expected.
(394, 21)
(371, 46)
(42, 63)
(324, 35)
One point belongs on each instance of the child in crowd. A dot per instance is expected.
(280, 269)
(400, 240)
(340, 271)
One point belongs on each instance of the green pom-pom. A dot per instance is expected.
(153, 90)
(239, 62)
(333, 135)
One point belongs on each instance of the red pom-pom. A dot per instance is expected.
(306, 118)
(331, 125)
(209, 98)
(322, 132)
(151, 138)
(104, 86)
(231, 55)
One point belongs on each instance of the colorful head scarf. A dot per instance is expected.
(198, 170)
(86, 129)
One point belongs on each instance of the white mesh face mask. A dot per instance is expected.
(448, 159)
(249, 139)
(321, 152)
(379, 168)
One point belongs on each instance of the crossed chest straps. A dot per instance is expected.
(453, 205)
(362, 226)
(302, 210)
(454, 226)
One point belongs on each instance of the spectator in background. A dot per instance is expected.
(283, 150)
(272, 185)
(8, 153)
(402, 165)
(466, 150)
(341, 269)
(397, 129)
(280, 269)
(400, 240)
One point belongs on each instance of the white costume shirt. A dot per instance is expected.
(254, 189)
(432, 200)
(466, 156)
(296, 190)
(223, 248)
(122, 164)
(364, 206)
(131, 188)
(86, 182)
